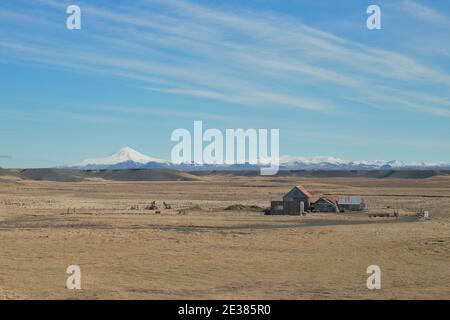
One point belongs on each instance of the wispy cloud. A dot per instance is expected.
(250, 58)
(19, 115)
(44, 115)
(165, 112)
(424, 13)
(192, 92)
(106, 119)
(334, 137)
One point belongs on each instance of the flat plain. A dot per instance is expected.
(199, 250)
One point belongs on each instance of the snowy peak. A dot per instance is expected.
(129, 154)
(125, 154)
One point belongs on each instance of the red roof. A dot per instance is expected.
(306, 192)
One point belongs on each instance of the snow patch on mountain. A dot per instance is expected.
(289, 160)
(125, 154)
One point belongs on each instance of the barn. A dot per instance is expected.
(292, 202)
(351, 203)
(299, 194)
(326, 204)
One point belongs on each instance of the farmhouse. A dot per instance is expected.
(299, 193)
(326, 204)
(299, 200)
(295, 202)
(351, 203)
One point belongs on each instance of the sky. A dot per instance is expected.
(138, 70)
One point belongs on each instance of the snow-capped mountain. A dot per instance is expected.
(323, 162)
(128, 158)
(123, 159)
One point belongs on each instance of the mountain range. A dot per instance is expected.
(128, 158)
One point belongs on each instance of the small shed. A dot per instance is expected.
(326, 204)
(351, 203)
(299, 194)
(276, 207)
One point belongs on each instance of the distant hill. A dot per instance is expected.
(378, 174)
(64, 175)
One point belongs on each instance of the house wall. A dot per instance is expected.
(352, 207)
(292, 207)
(276, 207)
(297, 196)
(324, 206)
(285, 207)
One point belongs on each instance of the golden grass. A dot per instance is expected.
(210, 253)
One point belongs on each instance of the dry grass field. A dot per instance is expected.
(199, 250)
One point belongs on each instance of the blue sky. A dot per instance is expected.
(138, 70)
